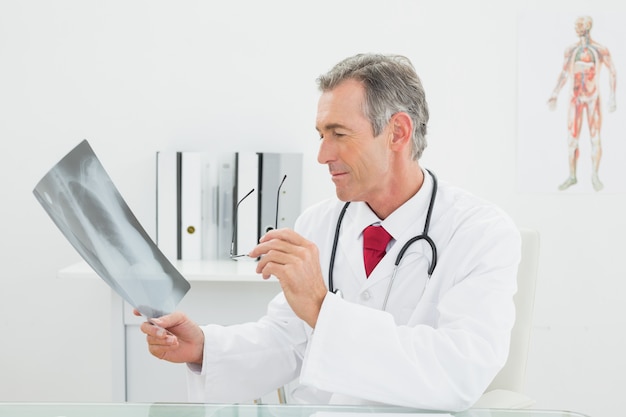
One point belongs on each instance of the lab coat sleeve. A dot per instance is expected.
(246, 361)
(360, 352)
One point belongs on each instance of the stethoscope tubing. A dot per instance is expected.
(424, 236)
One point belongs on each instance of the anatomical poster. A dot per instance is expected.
(571, 109)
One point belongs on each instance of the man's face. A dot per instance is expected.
(357, 160)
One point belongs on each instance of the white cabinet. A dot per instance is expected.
(222, 292)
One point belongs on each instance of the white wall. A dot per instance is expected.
(137, 76)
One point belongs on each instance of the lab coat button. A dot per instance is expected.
(365, 296)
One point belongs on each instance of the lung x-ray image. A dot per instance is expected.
(83, 202)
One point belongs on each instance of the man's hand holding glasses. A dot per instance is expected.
(294, 261)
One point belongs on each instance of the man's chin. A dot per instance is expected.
(345, 196)
(341, 195)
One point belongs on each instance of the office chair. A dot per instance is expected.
(506, 390)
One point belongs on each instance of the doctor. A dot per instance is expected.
(431, 335)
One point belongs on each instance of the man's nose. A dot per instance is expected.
(326, 153)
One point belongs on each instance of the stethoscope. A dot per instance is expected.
(424, 236)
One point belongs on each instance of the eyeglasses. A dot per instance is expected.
(233, 254)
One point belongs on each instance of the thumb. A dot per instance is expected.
(170, 320)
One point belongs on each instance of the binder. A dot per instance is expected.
(180, 209)
(246, 213)
(210, 202)
(281, 202)
(167, 203)
(226, 200)
(197, 195)
(190, 183)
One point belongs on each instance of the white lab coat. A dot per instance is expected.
(439, 343)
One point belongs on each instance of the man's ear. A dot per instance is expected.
(401, 129)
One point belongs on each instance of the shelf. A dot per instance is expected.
(198, 271)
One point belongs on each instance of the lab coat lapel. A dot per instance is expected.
(352, 251)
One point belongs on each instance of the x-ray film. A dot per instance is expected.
(83, 202)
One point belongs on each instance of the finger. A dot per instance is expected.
(287, 235)
(263, 248)
(149, 328)
(281, 242)
(160, 351)
(277, 252)
(162, 341)
(169, 320)
(273, 264)
(152, 330)
(262, 266)
(157, 352)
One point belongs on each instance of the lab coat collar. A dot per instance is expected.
(404, 223)
(412, 211)
(396, 223)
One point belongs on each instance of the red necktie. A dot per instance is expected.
(375, 240)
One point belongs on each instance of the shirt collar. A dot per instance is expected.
(396, 224)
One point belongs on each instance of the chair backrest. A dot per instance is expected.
(513, 375)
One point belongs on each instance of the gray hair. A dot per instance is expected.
(391, 86)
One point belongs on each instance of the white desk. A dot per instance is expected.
(228, 410)
(222, 292)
